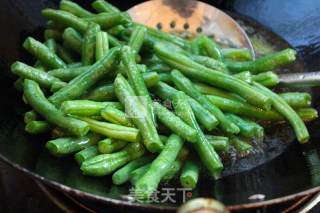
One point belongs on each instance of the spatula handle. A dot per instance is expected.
(306, 79)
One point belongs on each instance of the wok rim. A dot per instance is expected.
(112, 201)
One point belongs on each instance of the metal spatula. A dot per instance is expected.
(194, 17)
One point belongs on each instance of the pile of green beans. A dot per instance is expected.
(147, 106)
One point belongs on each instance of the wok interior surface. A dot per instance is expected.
(278, 168)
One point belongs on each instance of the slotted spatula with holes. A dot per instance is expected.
(194, 17)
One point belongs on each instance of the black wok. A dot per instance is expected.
(280, 172)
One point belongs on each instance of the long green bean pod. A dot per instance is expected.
(41, 105)
(264, 63)
(190, 174)
(124, 174)
(236, 54)
(219, 143)
(244, 76)
(137, 38)
(67, 74)
(105, 92)
(113, 130)
(247, 128)
(294, 99)
(138, 114)
(284, 109)
(43, 54)
(107, 163)
(267, 79)
(158, 35)
(101, 93)
(89, 44)
(75, 9)
(186, 86)
(66, 146)
(84, 81)
(297, 99)
(102, 45)
(210, 63)
(72, 40)
(41, 77)
(208, 90)
(175, 123)
(86, 108)
(202, 73)
(204, 117)
(241, 108)
(109, 145)
(65, 19)
(104, 6)
(209, 47)
(109, 20)
(138, 173)
(148, 183)
(307, 114)
(86, 154)
(172, 171)
(38, 127)
(136, 80)
(206, 152)
(116, 116)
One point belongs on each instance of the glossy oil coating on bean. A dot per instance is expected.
(67, 74)
(264, 63)
(283, 108)
(86, 154)
(66, 19)
(75, 9)
(137, 38)
(205, 118)
(138, 114)
(109, 145)
(205, 151)
(148, 183)
(86, 108)
(43, 54)
(124, 174)
(89, 44)
(41, 105)
(175, 123)
(102, 45)
(190, 174)
(113, 130)
(81, 83)
(186, 86)
(41, 77)
(66, 146)
(136, 80)
(105, 164)
(108, 20)
(103, 6)
(38, 127)
(214, 78)
(116, 116)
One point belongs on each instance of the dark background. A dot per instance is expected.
(297, 21)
